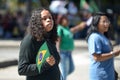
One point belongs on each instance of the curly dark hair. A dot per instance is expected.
(36, 29)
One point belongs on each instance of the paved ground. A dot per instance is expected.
(80, 57)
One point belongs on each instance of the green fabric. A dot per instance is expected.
(66, 38)
(43, 53)
(92, 7)
(82, 3)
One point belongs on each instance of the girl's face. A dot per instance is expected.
(103, 24)
(47, 20)
(65, 22)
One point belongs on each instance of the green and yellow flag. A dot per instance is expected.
(43, 53)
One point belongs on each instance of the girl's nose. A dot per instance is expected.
(48, 19)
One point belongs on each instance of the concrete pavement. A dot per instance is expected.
(80, 57)
(16, 43)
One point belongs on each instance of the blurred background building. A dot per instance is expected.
(15, 14)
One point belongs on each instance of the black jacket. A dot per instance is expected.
(27, 60)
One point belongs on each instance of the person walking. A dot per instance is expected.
(65, 44)
(100, 49)
(41, 28)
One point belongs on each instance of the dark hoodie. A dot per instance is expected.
(27, 60)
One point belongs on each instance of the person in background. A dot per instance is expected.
(65, 44)
(86, 15)
(41, 28)
(100, 49)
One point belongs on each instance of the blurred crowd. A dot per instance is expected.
(13, 25)
(74, 14)
(84, 14)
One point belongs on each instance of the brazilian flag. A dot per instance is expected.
(43, 53)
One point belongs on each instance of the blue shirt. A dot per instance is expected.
(100, 70)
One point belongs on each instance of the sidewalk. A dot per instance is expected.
(10, 50)
(12, 46)
(9, 43)
(17, 43)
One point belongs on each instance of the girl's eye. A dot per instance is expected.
(106, 21)
(45, 18)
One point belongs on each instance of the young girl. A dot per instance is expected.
(65, 44)
(41, 28)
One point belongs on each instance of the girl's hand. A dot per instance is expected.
(50, 60)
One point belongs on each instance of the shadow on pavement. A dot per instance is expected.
(5, 64)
